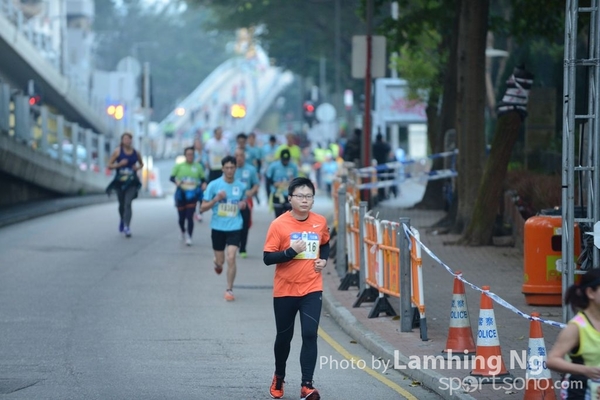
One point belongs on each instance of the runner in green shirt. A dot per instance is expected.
(190, 180)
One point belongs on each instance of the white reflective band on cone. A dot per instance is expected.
(487, 333)
(459, 315)
(536, 367)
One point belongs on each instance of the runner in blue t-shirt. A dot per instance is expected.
(225, 197)
(248, 175)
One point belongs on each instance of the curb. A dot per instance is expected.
(380, 348)
(23, 212)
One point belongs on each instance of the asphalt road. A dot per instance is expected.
(88, 314)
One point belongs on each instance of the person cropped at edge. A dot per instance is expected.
(246, 174)
(216, 148)
(580, 340)
(280, 174)
(298, 243)
(189, 178)
(126, 161)
(225, 197)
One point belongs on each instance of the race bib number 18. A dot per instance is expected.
(312, 245)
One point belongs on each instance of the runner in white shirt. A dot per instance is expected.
(216, 149)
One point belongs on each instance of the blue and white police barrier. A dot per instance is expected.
(499, 300)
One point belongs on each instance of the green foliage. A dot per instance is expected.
(180, 49)
(295, 33)
(524, 20)
(420, 38)
(421, 65)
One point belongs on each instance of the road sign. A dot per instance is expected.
(326, 113)
(359, 56)
(348, 99)
(131, 65)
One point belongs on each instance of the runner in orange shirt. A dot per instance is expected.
(298, 243)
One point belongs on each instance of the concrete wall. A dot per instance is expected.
(31, 175)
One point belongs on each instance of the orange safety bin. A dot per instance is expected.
(542, 248)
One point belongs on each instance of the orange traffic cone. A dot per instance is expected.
(154, 186)
(460, 337)
(488, 364)
(539, 383)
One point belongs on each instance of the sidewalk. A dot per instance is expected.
(499, 267)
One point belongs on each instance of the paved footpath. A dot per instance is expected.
(499, 267)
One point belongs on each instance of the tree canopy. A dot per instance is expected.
(181, 49)
(296, 33)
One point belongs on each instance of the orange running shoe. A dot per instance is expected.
(229, 295)
(309, 393)
(276, 390)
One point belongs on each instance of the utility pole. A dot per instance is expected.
(394, 129)
(337, 55)
(145, 122)
(366, 136)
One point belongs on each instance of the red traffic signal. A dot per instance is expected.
(309, 108)
(35, 100)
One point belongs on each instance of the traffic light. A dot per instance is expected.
(34, 92)
(117, 111)
(361, 103)
(35, 100)
(308, 109)
(238, 111)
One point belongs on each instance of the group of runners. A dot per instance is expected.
(297, 241)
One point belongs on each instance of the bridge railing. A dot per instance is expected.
(50, 134)
(202, 93)
(40, 40)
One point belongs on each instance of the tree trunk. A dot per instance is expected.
(471, 105)
(433, 198)
(480, 230)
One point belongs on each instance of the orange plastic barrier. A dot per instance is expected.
(352, 190)
(391, 258)
(353, 235)
(383, 261)
(417, 291)
(372, 251)
(335, 186)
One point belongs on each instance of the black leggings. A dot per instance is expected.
(125, 198)
(245, 228)
(186, 213)
(286, 309)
